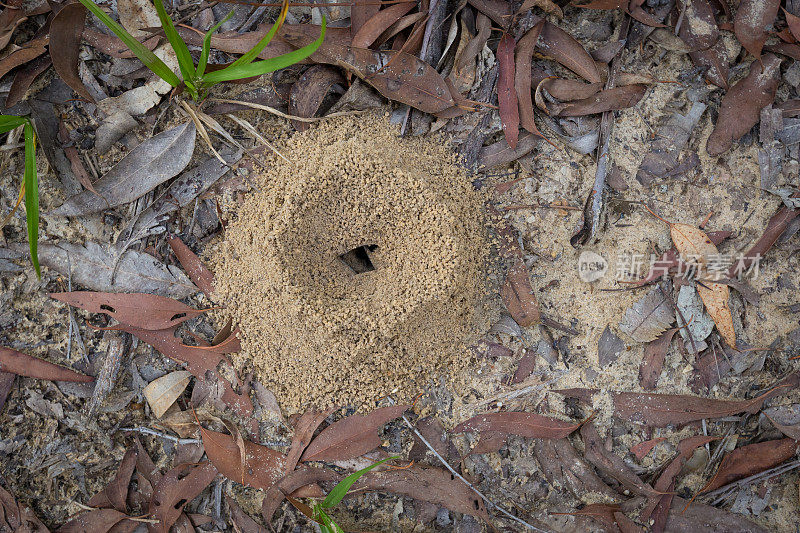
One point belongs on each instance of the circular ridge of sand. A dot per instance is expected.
(317, 332)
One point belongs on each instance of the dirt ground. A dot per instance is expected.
(55, 456)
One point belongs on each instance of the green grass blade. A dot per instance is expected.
(337, 493)
(201, 65)
(185, 61)
(10, 122)
(31, 181)
(251, 55)
(238, 72)
(147, 57)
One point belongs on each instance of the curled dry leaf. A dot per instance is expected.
(741, 106)
(715, 61)
(262, 468)
(304, 429)
(115, 494)
(506, 93)
(522, 77)
(177, 488)
(148, 165)
(369, 32)
(162, 392)
(352, 436)
(522, 424)
(752, 459)
(563, 48)
(752, 22)
(30, 51)
(786, 418)
(14, 362)
(607, 100)
(140, 310)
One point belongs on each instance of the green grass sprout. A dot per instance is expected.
(195, 79)
(316, 511)
(30, 183)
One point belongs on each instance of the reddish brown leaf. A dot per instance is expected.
(786, 418)
(609, 463)
(96, 521)
(309, 91)
(426, 483)
(140, 310)
(12, 16)
(518, 297)
(78, 169)
(352, 436)
(670, 260)
(522, 424)
(699, 27)
(499, 11)
(490, 441)
(113, 45)
(522, 77)
(660, 410)
(715, 61)
(262, 468)
(19, 518)
(607, 100)
(506, 93)
(175, 489)
(116, 492)
(29, 52)
(752, 459)
(396, 75)
(741, 106)
(562, 47)
(304, 429)
(360, 12)
(636, 11)
(793, 21)
(32, 367)
(567, 90)
(24, 77)
(643, 448)
(194, 267)
(775, 227)
(653, 359)
(66, 31)
(658, 506)
(366, 35)
(242, 520)
(751, 23)
(602, 512)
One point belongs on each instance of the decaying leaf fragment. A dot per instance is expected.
(522, 424)
(162, 392)
(649, 317)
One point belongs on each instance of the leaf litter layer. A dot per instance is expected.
(359, 269)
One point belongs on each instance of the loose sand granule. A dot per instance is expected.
(320, 332)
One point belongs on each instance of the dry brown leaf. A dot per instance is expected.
(522, 77)
(352, 436)
(522, 424)
(262, 466)
(115, 494)
(741, 106)
(162, 392)
(751, 23)
(15, 362)
(752, 459)
(506, 93)
(648, 317)
(140, 310)
(175, 490)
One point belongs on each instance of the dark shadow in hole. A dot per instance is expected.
(358, 259)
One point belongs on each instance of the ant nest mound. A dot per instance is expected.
(358, 269)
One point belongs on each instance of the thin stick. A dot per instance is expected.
(488, 502)
(148, 431)
(286, 115)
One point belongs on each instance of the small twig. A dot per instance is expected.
(461, 478)
(286, 115)
(148, 431)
